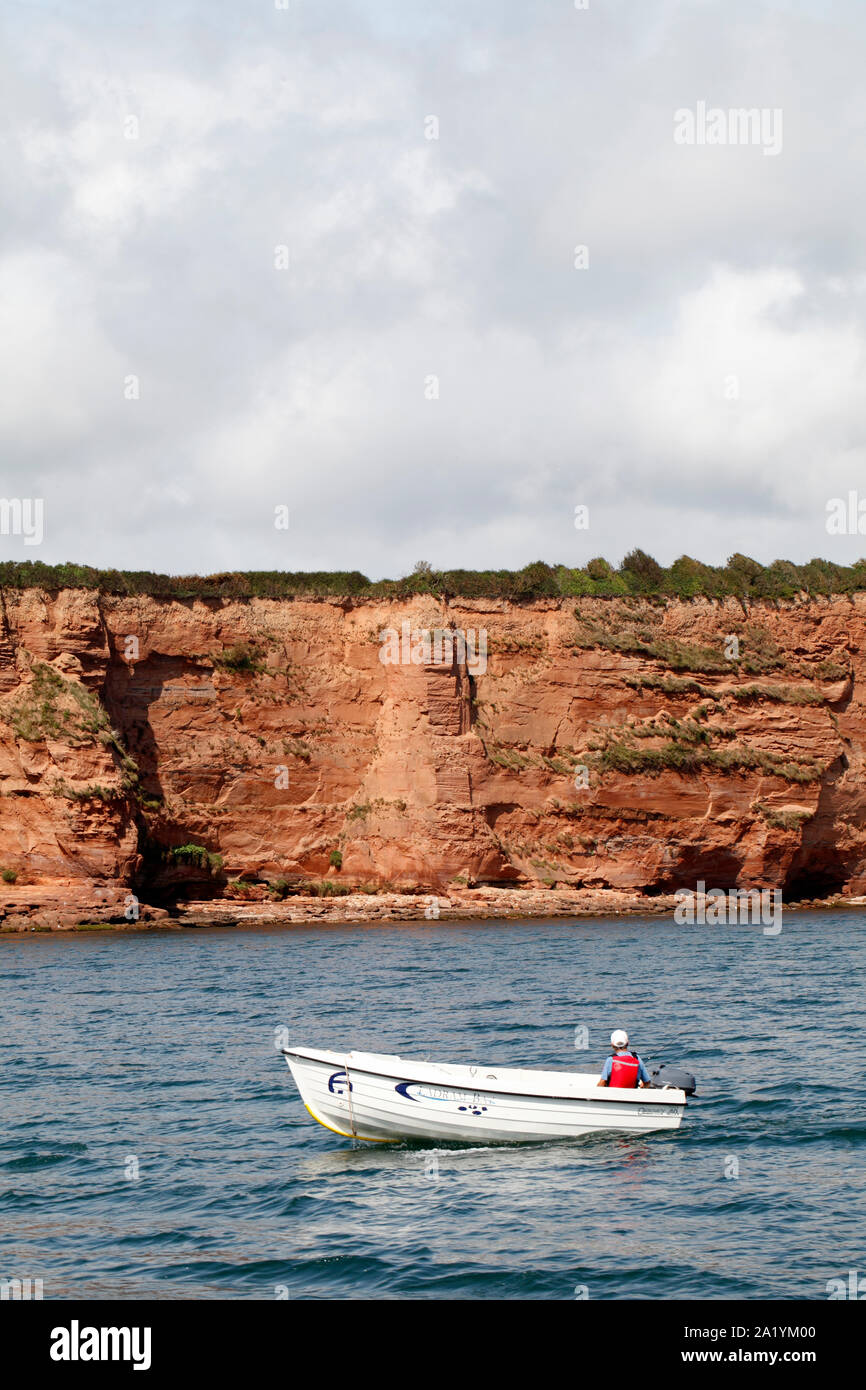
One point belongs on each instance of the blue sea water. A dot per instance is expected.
(152, 1143)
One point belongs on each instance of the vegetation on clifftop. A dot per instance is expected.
(638, 575)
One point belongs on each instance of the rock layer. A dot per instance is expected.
(606, 745)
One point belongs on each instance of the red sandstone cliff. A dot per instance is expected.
(271, 734)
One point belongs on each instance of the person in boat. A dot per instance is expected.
(623, 1068)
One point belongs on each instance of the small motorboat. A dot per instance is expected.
(381, 1098)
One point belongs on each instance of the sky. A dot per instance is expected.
(424, 278)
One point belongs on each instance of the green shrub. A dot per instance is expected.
(831, 671)
(295, 748)
(327, 889)
(194, 854)
(688, 578)
(241, 887)
(681, 656)
(639, 574)
(507, 757)
(241, 658)
(642, 573)
(759, 652)
(92, 792)
(782, 820)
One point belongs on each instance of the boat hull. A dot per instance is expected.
(385, 1099)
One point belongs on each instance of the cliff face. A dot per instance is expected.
(609, 744)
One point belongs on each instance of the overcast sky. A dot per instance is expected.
(698, 385)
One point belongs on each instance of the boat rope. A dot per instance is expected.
(349, 1094)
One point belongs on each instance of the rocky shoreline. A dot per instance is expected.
(45, 909)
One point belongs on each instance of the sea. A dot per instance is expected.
(153, 1145)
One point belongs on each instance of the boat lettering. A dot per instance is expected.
(470, 1101)
(658, 1110)
(337, 1084)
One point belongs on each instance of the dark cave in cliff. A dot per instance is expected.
(805, 882)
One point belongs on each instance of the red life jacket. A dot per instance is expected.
(624, 1068)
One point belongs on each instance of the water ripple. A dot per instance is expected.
(152, 1143)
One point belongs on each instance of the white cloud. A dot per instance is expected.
(411, 257)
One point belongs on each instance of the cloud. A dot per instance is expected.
(698, 385)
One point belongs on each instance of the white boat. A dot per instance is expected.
(369, 1095)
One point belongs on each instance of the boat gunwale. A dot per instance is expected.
(655, 1095)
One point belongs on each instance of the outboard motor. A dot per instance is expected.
(663, 1075)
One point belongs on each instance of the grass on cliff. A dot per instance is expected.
(638, 575)
(51, 707)
(94, 791)
(690, 745)
(686, 757)
(743, 694)
(790, 819)
(243, 659)
(622, 631)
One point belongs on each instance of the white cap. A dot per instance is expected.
(619, 1038)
